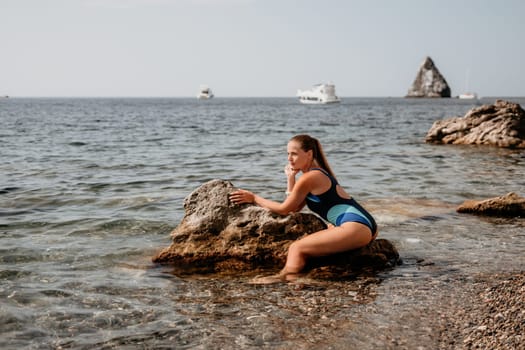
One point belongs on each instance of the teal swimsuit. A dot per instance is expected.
(337, 210)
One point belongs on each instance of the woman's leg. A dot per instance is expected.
(348, 236)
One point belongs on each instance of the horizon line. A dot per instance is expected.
(220, 97)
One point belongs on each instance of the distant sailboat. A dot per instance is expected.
(468, 95)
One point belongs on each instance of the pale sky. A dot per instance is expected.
(257, 48)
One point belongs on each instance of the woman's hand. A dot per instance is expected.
(290, 172)
(290, 178)
(241, 197)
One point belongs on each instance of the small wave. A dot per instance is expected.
(413, 240)
(98, 186)
(19, 255)
(126, 227)
(322, 123)
(157, 139)
(77, 143)
(6, 190)
(13, 274)
(56, 293)
(7, 213)
(396, 210)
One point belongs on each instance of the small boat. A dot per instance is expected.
(205, 93)
(319, 94)
(468, 96)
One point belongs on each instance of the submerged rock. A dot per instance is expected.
(217, 236)
(429, 82)
(501, 124)
(509, 205)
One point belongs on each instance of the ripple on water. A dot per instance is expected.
(11, 275)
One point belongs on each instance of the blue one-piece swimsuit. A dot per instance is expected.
(337, 210)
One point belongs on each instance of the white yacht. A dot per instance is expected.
(469, 96)
(205, 93)
(319, 94)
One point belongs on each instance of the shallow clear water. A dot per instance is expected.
(91, 188)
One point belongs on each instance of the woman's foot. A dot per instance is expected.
(268, 279)
(277, 278)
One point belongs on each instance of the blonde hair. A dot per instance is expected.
(308, 143)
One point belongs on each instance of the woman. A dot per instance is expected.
(351, 226)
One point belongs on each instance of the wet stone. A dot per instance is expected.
(501, 124)
(509, 205)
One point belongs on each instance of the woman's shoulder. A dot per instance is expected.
(315, 182)
(315, 176)
(319, 172)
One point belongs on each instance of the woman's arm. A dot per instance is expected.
(294, 202)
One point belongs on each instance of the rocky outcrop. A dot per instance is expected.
(429, 82)
(501, 124)
(509, 205)
(217, 236)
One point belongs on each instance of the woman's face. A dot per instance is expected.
(297, 157)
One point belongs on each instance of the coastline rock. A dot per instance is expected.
(217, 236)
(501, 124)
(509, 205)
(429, 82)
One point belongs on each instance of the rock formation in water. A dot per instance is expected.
(509, 205)
(501, 124)
(217, 236)
(429, 82)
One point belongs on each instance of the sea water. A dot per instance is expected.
(90, 189)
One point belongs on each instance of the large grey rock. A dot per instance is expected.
(429, 82)
(217, 236)
(509, 205)
(501, 124)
